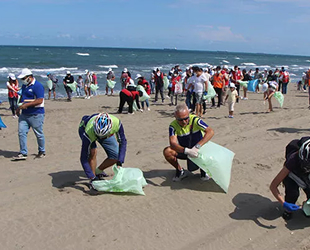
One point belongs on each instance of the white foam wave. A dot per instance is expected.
(82, 54)
(248, 64)
(225, 61)
(108, 66)
(3, 91)
(238, 58)
(307, 60)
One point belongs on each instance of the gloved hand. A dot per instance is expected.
(205, 92)
(191, 152)
(290, 207)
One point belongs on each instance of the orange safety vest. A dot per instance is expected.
(218, 81)
(308, 77)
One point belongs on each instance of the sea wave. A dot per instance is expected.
(82, 54)
(248, 64)
(108, 66)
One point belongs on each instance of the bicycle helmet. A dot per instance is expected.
(304, 153)
(102, 124)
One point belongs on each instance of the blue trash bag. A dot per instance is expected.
(252, 85)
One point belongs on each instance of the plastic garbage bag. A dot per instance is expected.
(127, 180)
(94, 87)
(166, 82)
(252, 85)
(2, 125)
(210, 94)
(178, 88)
(216, 161)
(72, 86)
(243, 83)
(279, 97)
(111, 84)
(49, 84)
(144, 96)
(306, 208)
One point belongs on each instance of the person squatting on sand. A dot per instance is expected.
(294, 175)
(187, 133)
(32, 116)
(108, 131)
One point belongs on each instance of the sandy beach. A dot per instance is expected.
(46, 203)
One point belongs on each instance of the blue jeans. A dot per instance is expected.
(147, 103)
(188, 99)
(284, 88)
(25, 122)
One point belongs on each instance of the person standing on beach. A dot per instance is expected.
(200, 86)
(87, 83)
(235, 76)
(79, 85)
(284, 79)
(125, 77)
(307, 83)
(69, 79)
(218, 83)
(108, 131)
(187, 134)
(54, 82)
(110, 77)
(12, 85)
(159, 85)
(232, 96)
(32, 116)
(94, 81)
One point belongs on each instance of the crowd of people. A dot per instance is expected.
(187, 132)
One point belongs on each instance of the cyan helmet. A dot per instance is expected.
(48, 73)
(102, 124)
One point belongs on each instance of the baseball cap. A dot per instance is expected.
(138, 76)
(125, 70)
(110, 69)
(68, 73)
(12, 76)
(25, 72)
(232, 85)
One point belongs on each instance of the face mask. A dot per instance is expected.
(158, 73)
(26, 82)
(218, 71)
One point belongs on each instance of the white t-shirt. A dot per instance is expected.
(199, 85)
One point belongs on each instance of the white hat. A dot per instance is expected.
(265, 69)
(12, 76)
(86, 71)
(25, 72)
(138, 76)
(232, 85)
(68, 73)
(225, 67)
(110, 69)
(125, 70)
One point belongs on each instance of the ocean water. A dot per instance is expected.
(58, 60)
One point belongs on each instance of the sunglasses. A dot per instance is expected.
(182, 119)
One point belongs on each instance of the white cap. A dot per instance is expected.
(86, 71)
(138, 76)
(68, 73)
(92, 73)
(232, 85)
(265, 69)
(12, 76)
(110, 69)
(225, 67)
(25, 72)
(125, 70)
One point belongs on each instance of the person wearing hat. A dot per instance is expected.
(125, 78)
(32, 105)
(110, 77)
(231, 96)
(145, 84)
(54, 81)
(12, 85)
(159, 85)
(284, 79)
(68, 80)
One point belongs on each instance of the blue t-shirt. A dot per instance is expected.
(32, 92)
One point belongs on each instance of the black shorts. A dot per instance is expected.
(191, 166)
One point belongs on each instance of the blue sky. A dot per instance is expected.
(263, 26)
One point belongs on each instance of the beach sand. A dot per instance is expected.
(46, 203)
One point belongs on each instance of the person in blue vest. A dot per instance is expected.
(32, 105)
(108, 131)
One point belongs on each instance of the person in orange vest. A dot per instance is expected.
(307, 83)
(218, 83)
(284, 79)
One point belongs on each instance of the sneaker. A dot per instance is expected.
(85, 97)
(148, 109)
(179, 175)
(40, 155)
(204, 176)
(19, 157)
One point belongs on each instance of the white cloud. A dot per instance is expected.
(219, 34)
